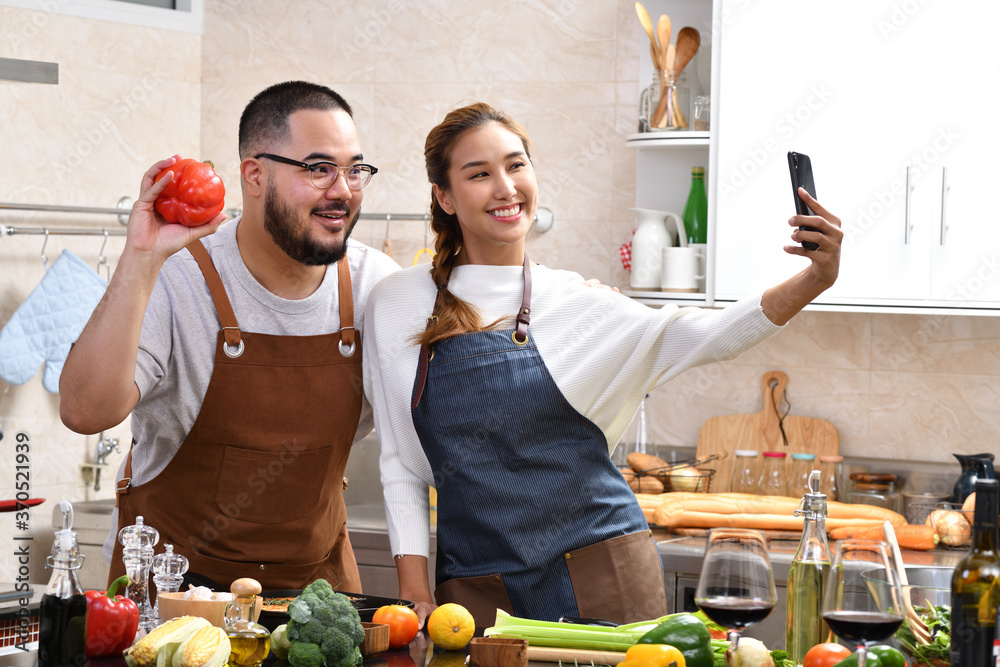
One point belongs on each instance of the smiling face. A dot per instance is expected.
(311, 225)
(493, 192)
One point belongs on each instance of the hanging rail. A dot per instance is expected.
(543, 218)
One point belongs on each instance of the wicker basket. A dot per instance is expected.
(924, 510)
(673, 481)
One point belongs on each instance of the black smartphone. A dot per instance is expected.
(800, 168)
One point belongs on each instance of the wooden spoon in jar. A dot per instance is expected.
(663, 27)
(647, 24)
(688, 41)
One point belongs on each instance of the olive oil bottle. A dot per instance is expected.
(975, 585)
(804, 625)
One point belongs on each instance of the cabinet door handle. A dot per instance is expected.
(907, 225)
(945, 187)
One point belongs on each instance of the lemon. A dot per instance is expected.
(451, 626)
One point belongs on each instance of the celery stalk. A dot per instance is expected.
(567, 635)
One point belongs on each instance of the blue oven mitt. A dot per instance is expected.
(49, 321)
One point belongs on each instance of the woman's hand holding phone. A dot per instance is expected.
(825, 233)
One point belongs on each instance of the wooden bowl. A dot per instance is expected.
(376, 638)
(173, 605)
(498, 652)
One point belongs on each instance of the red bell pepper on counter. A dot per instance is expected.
(112, 621)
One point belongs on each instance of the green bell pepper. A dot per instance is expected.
(888, 656)
(871, 660)
(688, 635)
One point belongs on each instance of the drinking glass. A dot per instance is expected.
(849, 608)
(736, 586)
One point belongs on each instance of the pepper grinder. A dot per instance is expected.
(137, 542)
(168, 573)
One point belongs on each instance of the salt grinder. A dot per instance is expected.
(137, 543)
(168, 573)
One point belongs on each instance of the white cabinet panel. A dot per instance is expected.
(871, 91)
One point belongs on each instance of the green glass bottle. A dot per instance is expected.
(696, 209)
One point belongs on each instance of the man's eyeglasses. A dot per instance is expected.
(324, 174)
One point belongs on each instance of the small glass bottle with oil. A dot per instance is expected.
(805, 626)
(250, 641)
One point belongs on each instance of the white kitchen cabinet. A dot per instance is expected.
(871, 91)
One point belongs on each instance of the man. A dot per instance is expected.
(239, 355)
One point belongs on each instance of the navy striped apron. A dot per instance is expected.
(527, 494)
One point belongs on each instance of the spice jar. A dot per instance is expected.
(802, 466)
(830, 475)
(745, 475)
(878, 489)
(772, 479)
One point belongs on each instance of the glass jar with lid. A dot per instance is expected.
(878, 489)
(773, 479)
(745, 474)
(830, 476)
(802, 466)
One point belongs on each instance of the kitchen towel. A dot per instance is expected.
(44, 327)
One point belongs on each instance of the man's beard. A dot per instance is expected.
(283, 226)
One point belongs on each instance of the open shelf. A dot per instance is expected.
(668, 139)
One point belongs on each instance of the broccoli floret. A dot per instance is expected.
(305, 655)
(324, 623)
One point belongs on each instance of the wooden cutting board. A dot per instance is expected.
(787, 535)
(569, 655)
(762, 431)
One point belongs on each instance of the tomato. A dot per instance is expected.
(402, 622)
(661, 655)
(825, 655)
(195, 195)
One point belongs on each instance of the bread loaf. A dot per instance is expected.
(640, 461)
(737, 510)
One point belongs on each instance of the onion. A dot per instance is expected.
(951, 526)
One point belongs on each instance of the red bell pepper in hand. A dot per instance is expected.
(195, 195)
(111, 621)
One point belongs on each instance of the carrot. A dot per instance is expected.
(918, 538)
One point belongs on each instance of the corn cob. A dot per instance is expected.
(207, 647)
(144, 653)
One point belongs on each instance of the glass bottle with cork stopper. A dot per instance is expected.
(805, 627)
(62, 616)
(250, 640)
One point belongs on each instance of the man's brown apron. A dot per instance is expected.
(256, 488)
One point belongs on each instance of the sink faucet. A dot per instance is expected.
(104, 447)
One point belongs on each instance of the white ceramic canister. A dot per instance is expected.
(650, 238)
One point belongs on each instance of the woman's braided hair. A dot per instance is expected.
(453, 315)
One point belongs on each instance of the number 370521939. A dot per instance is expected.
(22, 473)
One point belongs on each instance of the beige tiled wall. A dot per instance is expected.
(896, 386)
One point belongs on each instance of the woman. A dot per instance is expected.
(505, 385)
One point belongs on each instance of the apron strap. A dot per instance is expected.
(230, 327)
(523, 315)
(520, 335)
(347, 330)
(123, 485)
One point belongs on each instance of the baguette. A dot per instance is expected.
(672, 516)
(735, 510)
(746, 503)
(641, 483)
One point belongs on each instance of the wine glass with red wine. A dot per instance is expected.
(849, 608)
(736, 586)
